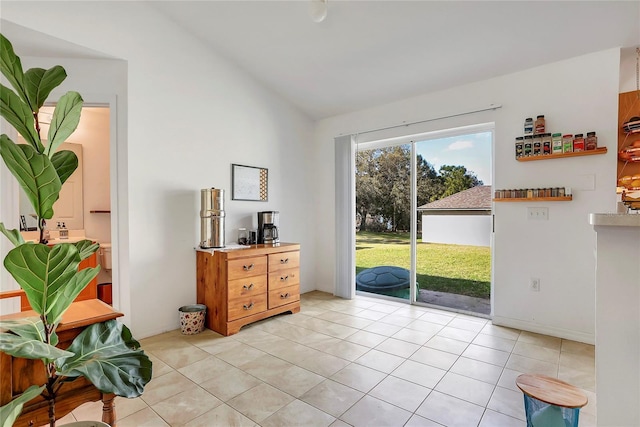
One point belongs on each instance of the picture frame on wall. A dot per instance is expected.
(250, 183)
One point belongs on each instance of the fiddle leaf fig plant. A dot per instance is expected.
(105, 353)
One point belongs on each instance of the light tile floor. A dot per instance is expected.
(364, 362)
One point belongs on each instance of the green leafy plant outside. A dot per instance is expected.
(105, 353)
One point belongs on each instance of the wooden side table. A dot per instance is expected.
(17, 374)
(549, 402)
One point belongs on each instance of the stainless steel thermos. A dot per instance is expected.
(212, 218)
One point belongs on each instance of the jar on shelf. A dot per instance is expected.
(528, 145)
(537, 145)
(539, 127)
(519, 147)
(567, 143)
(591, 143)
(556, 143)
(528, 126)
(578, 142)
(546, 143)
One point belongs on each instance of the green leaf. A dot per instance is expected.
(26, 348)
(35, 173)
(107, 355)
(26, 327)
(65, 120)
(20, 116)
(65, 162)
(86, 248)
(10, 412)
(14, 235)
(11, 68)
(40, 82)
(49, 276)
(70, 291)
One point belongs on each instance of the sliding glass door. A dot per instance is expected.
(423, 219)
(383, 220)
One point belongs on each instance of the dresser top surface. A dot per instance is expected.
(252, 250)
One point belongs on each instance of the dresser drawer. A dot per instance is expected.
(247, 287)
(284, 260)
(284, 296)
(247, 267)
(247, 306)
(284, 278)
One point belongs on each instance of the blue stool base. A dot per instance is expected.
(541, 414)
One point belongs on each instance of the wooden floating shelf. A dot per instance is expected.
(99, 211)
(534, 199)
(599, 150)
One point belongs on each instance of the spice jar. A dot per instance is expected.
(528, 126)
(519, 147)
(567, 143)
(539, 126)
(591, 143)
(556, 143)
(537, 145)
(528, 145)
(578, 142)
(546, 143)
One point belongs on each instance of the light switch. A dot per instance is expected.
(537, 214)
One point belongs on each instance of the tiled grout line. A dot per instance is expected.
(458, 356)
(494, 386)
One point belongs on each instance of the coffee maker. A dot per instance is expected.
(268, 227)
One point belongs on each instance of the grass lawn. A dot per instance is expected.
(457, 269)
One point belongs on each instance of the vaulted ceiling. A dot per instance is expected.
(367, 53)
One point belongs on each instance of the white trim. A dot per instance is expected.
(544, 329)
(9, 215)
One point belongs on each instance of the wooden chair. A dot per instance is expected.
(17, 374)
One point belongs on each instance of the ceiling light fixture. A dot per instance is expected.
(318, 10)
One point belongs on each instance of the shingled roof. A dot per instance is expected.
(475, 198)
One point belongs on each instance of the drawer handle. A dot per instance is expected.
(284, 261)
(284, 279)
(248, 307)
(247, 288)
(284, 296)
(248, 267)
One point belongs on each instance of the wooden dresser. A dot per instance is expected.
(241, 286)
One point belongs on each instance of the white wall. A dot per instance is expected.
(190, 114)
(576, 95)
(474, 230)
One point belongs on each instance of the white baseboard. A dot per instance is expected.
(544, 329)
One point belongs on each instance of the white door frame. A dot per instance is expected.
(345, 146)
(10, 206)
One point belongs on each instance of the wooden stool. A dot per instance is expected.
(549, 402)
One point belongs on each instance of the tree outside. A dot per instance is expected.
(383, 186)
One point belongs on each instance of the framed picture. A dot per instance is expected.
(249, 183)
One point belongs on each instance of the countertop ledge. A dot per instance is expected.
(614, 219)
